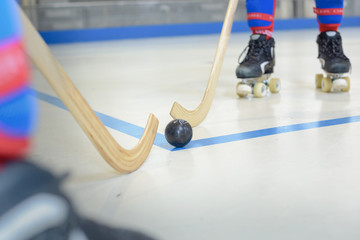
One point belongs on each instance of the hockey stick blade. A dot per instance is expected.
(123, 160)
(196, 116)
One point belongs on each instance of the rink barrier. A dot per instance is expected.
(174, 30)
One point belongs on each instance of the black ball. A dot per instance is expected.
(178, 133)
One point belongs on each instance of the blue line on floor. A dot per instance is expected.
(270, 131)
(160, 140)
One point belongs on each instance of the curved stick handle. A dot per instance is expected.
(196, 116)
(121, 159)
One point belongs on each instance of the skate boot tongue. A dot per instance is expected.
(331, 33)
(255, 36)
(258, 37)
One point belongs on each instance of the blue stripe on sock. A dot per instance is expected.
(18, 113)
(9, 21)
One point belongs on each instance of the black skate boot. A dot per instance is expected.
(256, 68)
(32, 207)
(334, 63)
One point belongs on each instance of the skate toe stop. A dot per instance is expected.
(242, 90)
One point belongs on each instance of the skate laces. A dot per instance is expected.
(333, 48)
(253, 51)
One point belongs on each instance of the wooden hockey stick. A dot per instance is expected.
(195, 117)
(119, 158)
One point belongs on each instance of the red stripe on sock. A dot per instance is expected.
(328, 27)
(260, 16)
(262, 30)
(328, 11)
(14, 70)
(12, 147)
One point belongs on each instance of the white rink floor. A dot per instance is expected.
(290, 185)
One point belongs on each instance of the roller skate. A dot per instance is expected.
(33, 207)
(333, 61)
(255, 70)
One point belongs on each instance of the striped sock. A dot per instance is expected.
(17, 107)
(260, 16)
(329, 14)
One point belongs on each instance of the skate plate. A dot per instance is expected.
(333, 82)
(258, 87)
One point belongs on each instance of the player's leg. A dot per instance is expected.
(259, 57)
(260, 16)
(32, 205)
(17, 107)
(257, 61)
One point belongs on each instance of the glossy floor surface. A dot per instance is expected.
(281, 167)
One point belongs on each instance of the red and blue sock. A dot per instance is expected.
(329, 14)
(260, 16)
(17, 107)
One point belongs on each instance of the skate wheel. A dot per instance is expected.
(274, 85)
(318, 80)
(347, 79)
(259, 90)
(326, 84)
(339, 85)
(242, 90)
